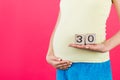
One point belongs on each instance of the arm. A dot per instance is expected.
(51, 58)
(108, 44)
(115, 40)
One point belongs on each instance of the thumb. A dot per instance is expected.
(57, 58)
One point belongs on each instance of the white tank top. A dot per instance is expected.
(81, 17)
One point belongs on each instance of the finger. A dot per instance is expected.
(79, 46)
(57, 58)
(92, 47)
(63, 63)
(66, 64)
(69, 62)
(76, 46)
(63, 68)
(87, 47)
(72, 45)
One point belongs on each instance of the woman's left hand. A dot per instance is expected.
(94, 47)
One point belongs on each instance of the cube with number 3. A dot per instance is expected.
(79, 39)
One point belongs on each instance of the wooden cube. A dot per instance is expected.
(79, 39)
(90, 38)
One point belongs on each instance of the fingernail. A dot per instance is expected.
(86, 47)
(70, 63)
(60, 59)
(69, 66)
(65, 64)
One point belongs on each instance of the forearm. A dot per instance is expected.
(113, 41)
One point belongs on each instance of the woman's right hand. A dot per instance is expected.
(58, 62)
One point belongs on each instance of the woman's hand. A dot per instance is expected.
(94, 47)
(58, 62)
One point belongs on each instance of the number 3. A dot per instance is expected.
(79, 39)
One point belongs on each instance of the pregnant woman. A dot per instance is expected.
(82, 61)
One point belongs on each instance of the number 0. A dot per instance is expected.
(90, 38)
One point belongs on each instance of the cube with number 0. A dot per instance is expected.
(90, 38)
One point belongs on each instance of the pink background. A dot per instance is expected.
(25, 29)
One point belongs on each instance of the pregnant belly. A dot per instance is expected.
(63, 37)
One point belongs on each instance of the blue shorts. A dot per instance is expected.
(86, 71)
